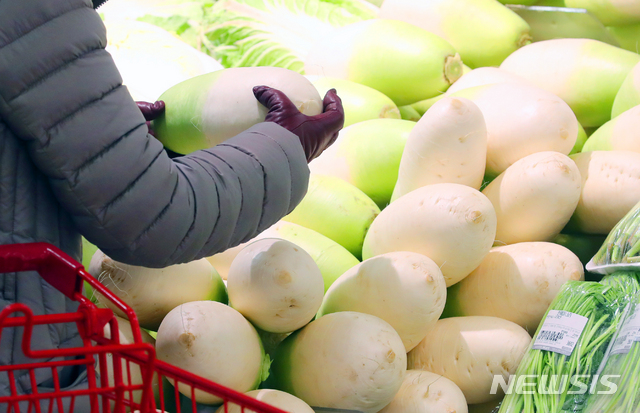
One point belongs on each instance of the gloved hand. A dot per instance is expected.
(316, 133)
(151, 111)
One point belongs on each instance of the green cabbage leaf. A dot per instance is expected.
(276, 32)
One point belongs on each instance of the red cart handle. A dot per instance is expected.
(56, 267)
(65, 274)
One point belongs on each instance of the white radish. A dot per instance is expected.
(131, 372)
(585, 73)
(405, 289)
(516, 282)
(344, 360)
(521, 120)
(535, 197)
(276, 398)
(453, 224)
(423, 391)
(332, 258)
(471, 351)
(153, 292)
(206, 110)
(447, 145)
(214, 341)
(610, 188)
(368, 52)
(276, 285)
(484, 32)
(619, 134)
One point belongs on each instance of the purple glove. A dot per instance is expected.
(316, 133)
(151, 111)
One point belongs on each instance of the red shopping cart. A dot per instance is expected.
(100, 352)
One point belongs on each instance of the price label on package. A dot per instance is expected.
(560, 332)
(629, 333)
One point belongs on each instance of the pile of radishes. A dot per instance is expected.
(427, 249)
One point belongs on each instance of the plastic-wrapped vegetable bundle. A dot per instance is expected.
(621, 249)
(623, 361)
(558, 372)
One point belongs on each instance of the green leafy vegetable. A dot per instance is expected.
(558, 377)
(624, 360)
(187, 20)
(623, 243)
(276, 32)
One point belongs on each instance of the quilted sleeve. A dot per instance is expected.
(62, 94)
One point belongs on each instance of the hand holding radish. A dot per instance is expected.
(317, 132)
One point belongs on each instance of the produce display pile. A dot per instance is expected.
(437, 261)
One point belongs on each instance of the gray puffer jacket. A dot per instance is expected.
(76, 158)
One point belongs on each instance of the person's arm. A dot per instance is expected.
(61, 92)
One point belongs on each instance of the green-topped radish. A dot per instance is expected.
(453, 224)
(345, 360)
(367, 155)
(154, 292)
(610, 188)
(447, 145)
(336, 209)
(521, 120)
(423, 391)
(619, 134)
(627, 36)
(585, 73)
(276, 285)
(628, 95)
(610, 12)
(332, 258)
(405, 289)
(367, 52)
(206, 110)
(214, 341)
(471, 351)
(515, 282)
(360, 102)
(275, 398)
(535, 197)
(484, 32)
